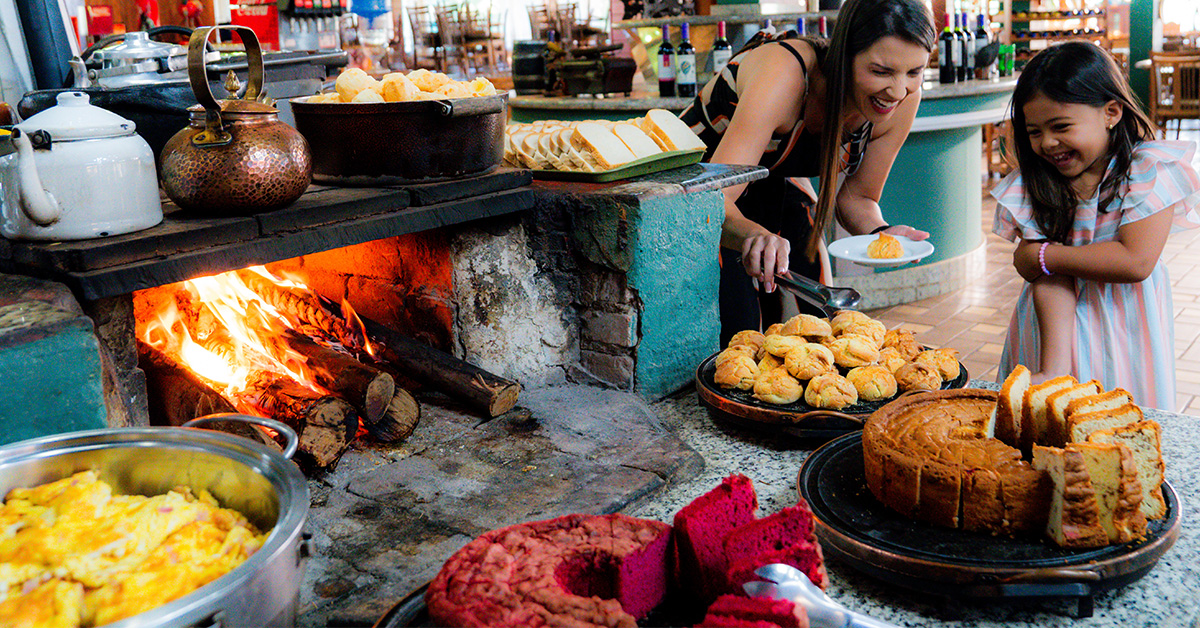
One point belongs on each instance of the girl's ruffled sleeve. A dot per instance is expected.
(1014, 215)
(1161, 177)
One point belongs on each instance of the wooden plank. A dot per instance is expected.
(445, 191)
(328, 205)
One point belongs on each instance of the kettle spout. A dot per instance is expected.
(37, 203)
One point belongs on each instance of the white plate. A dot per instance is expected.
(854, 248)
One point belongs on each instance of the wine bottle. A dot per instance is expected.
(685, 65)
(968, 50)
(981, 41)
(666, 64)
(800, 27)
(823, 27)
(947, 53)
(721, 50)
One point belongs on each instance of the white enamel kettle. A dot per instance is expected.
(78, 172)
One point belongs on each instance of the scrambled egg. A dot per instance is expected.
(73, 554)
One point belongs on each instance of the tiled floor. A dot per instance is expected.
(974, 320)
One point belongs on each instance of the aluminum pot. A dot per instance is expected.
(390, 143)
(243, 475)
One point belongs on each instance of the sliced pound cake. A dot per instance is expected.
(1144, 440)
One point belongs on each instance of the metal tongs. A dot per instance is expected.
(789, 583)
(828, 299)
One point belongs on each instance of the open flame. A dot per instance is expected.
(235, 334)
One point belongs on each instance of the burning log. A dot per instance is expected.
(441, 371)
(303, 305)
(325, 424)
(178, 395)
(400, 419)
(367, 389)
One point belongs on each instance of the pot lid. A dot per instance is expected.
(73, 118)
(137, 47)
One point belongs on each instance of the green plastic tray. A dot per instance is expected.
(635, 168)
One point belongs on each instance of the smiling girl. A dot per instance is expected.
(1091, 206)
(804, 108)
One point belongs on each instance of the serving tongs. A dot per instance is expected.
(826, 298)
(789, 583)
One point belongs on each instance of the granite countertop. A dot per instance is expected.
(1168, 596)
(932, 89)
(698, 177)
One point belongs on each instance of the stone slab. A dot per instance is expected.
(389, 516)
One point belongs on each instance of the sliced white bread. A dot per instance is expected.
(1056, 410)
(1074, 518)
(1033, 417)
(1082, 425)
(533, 148)
(603, 145)
(1144, 440)
(1113, 473)
(1110, 400)
(1008, 407)
(669, 131)
(636, 140)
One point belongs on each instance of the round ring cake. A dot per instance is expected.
(577, 570)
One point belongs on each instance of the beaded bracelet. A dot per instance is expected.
(1042, 259)
(880, 228)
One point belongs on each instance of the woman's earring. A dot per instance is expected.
(1110, 126)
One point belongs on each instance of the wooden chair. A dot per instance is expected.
(1174, 89)
(451, 36)
(426, 41)
(483, 37)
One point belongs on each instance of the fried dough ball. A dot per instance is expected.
(769, 363)
(904, 342)
(918, 376)
(326, 98)
(809, 360)
(845, 318)
(874, 330)
(748, 337)
(780, 345)
(885, 247)
(367, 95)
(481, 87)
(454, 89)
(945, 360)
(738, 372)
(778, 386)
(830, 391)
(890, 357)
(352, 81)
(396, 87)
(806, 325)
(851, 351)
(873, 382)
(737, 350)
(774, 330)
(428, 81)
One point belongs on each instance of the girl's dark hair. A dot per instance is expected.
(1079, 73)
(859, 24)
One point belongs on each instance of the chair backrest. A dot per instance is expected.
(1174, 85)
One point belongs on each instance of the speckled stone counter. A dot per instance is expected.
(1168, 596)
(532, 108)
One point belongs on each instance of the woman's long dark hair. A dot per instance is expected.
(1080, 73)
(860, 23)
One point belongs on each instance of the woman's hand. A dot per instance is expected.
(765, 255)
(909, 232)
(1025, 260)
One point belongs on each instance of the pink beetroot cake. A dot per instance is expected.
(771, 534)
(700, 529)
(578, 570)
(779, 613)
(805, 556)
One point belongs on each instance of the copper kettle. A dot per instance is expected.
(235, 157)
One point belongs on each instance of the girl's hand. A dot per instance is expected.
(908, 232)
(763, 256)
(1025, 260)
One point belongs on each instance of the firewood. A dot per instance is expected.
(368, 389)
(325, 424)
(399, 421)
(461, 380)
(304, 306)
(177, 395)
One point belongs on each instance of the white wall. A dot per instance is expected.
(16, 78)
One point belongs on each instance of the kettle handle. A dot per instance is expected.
(214, 133)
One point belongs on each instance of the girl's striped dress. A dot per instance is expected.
(1124, 332)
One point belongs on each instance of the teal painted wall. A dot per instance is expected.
(674, 248)
(1141, 41)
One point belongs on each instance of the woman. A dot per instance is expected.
(804, 108)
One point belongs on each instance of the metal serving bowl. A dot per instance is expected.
(245, 476)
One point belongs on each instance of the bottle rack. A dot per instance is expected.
(1057, 21)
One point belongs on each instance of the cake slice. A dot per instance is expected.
(781, 613)
(805, 556)
(723, 621)
(699, 535)
(1074, 515)
(1081, 425)
(1033, 417)
(1144, 440)
(1009, 406)
(1113, 474)
(1056, 410)
(1110, 400)
(669, 132)
(775, 532)
(603, 145)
